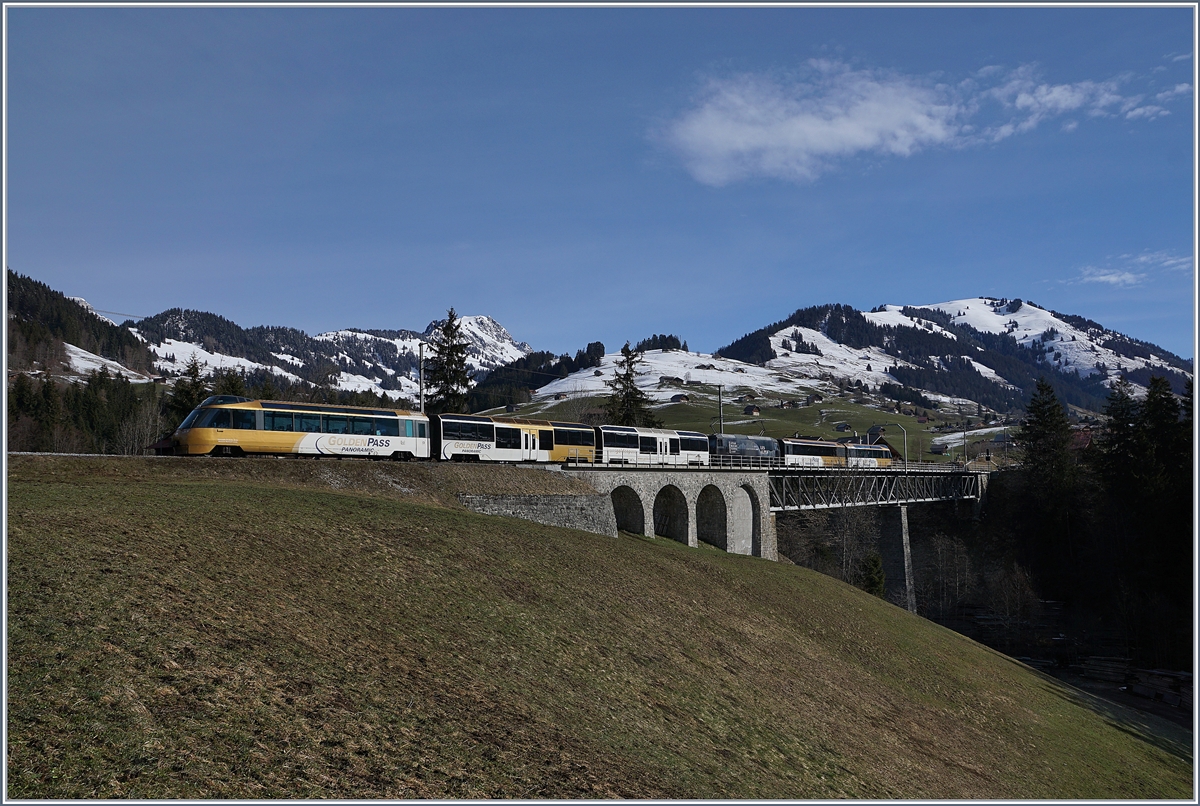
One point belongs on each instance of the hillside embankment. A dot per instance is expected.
(278, 628)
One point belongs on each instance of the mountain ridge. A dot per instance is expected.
(987, 351)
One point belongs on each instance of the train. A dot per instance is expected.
(225, 425)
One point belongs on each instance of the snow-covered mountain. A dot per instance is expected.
(964, 353)
(380, 361)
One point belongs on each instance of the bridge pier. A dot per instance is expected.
(896, 551)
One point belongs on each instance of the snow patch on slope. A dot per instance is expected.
(85, 363)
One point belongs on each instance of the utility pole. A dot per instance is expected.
(904, 431)
(421, 373)
(721, 407)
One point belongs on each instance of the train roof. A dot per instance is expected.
(543, 423)
(232, 401)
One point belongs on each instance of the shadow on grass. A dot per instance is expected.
(1145, 727)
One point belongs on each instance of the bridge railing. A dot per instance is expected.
(682, 462)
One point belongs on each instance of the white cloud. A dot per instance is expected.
(757, 126)
(795, 128)
(1133, 269)
(1160, 260)
(1174, 92)
(1113, 277)
(1181, 58)
(1151, 112)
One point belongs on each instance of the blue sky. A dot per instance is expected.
(584, 174)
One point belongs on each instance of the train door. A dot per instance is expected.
(529, 453)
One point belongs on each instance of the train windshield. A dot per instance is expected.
(191, 418)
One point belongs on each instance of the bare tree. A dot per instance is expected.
(140, 429)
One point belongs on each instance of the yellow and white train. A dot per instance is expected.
(224, 425)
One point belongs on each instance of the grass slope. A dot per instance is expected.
(258, 628)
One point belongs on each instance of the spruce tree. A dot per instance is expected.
(627, 404)
(446, 369)
(1045, 440)
(189, 392)
(874, 581)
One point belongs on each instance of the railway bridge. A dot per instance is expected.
(734, 508)
(731, 508)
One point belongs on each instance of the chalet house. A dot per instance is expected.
(751, 410)
(842, 427)
(679, 399)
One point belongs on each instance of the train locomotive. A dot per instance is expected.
(224, 425)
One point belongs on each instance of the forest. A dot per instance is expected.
(1084, 548)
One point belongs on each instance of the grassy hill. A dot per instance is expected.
(268, 628)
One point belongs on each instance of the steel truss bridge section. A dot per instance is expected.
(831, 489)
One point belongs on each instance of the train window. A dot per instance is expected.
(309, 423)
(277, 421)
(387, 427)
(569, 436)
(244, 420)
(546, 440)
(335, 423)
(191, 418)
(648, 445)
(362, 426)
(408, 428)
(508, 438)
(471, 432)
(213, 418)
(674, 447)
(421, 430)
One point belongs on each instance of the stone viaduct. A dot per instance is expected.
(729, 510)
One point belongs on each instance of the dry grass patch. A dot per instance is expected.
(209, 632)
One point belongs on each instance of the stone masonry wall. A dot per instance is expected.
(590, 513)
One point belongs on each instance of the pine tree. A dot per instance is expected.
(1121, 444)
(446, 370)
(629, 405)
(1045, 439)
(229, 382)
(267, 390)
(873, 579)
(189, 392)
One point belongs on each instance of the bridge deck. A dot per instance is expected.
(828, 488)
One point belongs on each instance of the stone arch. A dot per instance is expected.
(755, 521)
(627, 506)
(671, 514)
(712, 518)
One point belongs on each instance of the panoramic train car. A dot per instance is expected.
(623, 444)
(224, 425)
(812, 453)
(740, 450)
(475, 438)
(868, 456)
